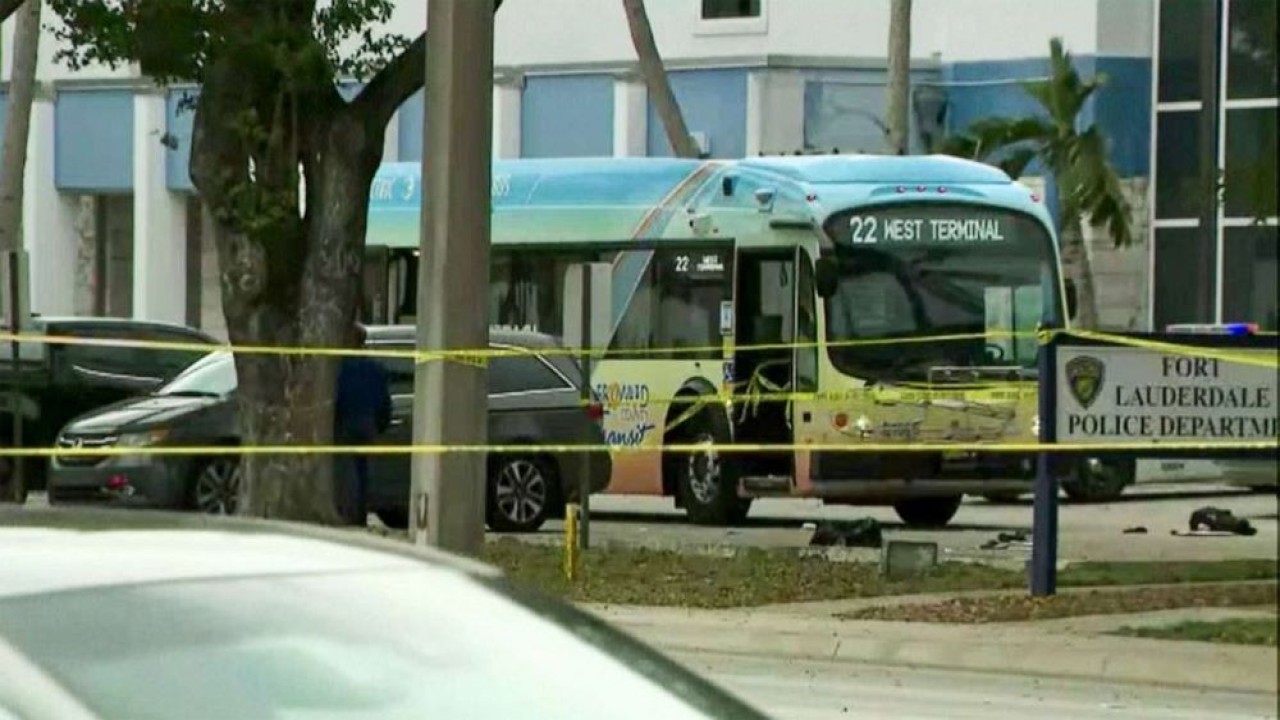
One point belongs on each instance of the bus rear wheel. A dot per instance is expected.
(928, 512)
(705, 478)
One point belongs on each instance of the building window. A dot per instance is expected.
(1251, 163)
(1225, 271)
(729, 9)
(1181, 42)
(1178, 285)
(1251, 51)
(1179, 183)
(731, 17)
(1249, 275)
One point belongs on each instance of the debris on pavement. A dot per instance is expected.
(1136, 530)
(864, 532)
(1210, 519)
(1004, 540)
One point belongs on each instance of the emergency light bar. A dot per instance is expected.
(1237, 329)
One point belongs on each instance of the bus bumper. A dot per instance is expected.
(867, 477)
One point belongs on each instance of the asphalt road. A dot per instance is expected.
(791, 690)
(1087, 532)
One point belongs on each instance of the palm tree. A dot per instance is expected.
(13, 163)
(655, 79)
(898, 86)
(1088, 187)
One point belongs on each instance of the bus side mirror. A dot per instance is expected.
(826, 277)
(1073, 298)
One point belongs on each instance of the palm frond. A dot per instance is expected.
(1091, 188)
(1063, 94)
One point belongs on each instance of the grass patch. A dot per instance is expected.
(1117, 601)
(1261, 631)
(634, 576)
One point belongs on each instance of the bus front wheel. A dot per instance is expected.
(705, 477)
(928, 512)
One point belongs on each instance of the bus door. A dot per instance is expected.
(806, 411)
(764, 308)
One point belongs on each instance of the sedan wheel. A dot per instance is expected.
(520, 491)
(217, 487)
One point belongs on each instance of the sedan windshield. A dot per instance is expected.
(213, 375)
(926, 275)
(386, 644)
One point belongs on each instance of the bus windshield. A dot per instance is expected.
(912, 272)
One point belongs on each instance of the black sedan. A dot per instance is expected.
(534, 399)
(108, 615)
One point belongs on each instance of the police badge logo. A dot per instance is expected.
(1085, 376)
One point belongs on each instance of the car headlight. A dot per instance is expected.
(142, 439)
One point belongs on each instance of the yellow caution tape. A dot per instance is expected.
(427, 449)
(477, 356)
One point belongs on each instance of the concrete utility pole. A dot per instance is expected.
(451, 398)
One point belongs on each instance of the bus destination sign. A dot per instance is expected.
(929, 228)
(697, 264)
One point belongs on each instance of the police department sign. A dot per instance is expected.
(1124, 394)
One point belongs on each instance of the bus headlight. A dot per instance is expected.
(1035, 426)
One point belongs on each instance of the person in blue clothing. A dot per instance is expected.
(361, 412)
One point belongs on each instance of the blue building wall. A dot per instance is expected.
(567, 116)
(177, 157)
(1122, 108)
(713, 102)
(412, 119)
(844, 110)
(93, 141)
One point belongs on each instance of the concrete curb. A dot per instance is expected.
(989, 648)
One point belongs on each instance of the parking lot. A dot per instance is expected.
(1087, 532)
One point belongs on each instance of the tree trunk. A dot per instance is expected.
(291, 283)
(1076, 265)
(657, 82)
(13, 166)
(22, 91)
(898, 87)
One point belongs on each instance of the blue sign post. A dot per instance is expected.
(1044, 529)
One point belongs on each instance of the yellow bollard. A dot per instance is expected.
(571, 540)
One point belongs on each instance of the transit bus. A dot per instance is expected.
(867, 299)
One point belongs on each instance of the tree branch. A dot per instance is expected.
(9, 7)
(395, 83)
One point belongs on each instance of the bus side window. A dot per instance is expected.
(688, 320)
(635, 334)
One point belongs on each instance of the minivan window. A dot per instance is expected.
(507, 373)
(525, 373)
(214, 376)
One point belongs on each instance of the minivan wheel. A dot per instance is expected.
(215, 486)
(928, 512)
(521, 494)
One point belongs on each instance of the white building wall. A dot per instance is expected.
(159, 220)
(49, 226)
(551, 31)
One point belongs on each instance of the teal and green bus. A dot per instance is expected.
(815, 303)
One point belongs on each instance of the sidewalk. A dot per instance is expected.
(1051, 649)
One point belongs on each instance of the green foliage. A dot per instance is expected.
(286, 58)
(173, 40)
(1088, 185)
